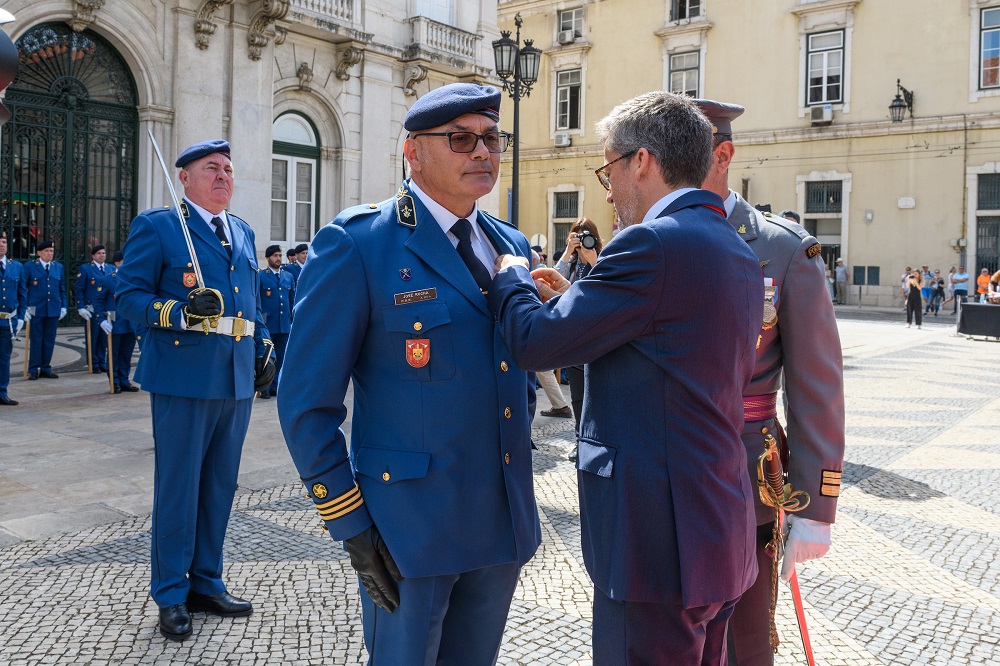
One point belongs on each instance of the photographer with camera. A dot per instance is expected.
(582, 247)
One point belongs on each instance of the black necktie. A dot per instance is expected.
(221, 235)
(47, 270)
(463, 232)
(102, 269)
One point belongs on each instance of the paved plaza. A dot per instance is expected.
(913, 576)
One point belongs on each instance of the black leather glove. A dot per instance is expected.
(263, 373)
(376, 568)
(204, 304)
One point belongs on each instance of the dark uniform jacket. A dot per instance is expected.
(46, 290)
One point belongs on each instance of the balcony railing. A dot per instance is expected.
(339, 11)
(430, 38)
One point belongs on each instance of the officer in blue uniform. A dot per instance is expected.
(435, 499)
(13, 300)
(277, 297)
(123, 332)
(297, 260)
(92, 305)
(45, 281)
(205, 353)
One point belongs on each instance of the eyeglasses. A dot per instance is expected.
(602, 173)
(466, 142)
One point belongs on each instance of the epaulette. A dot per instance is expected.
(789, 225)
(813, 249)
(357, 212)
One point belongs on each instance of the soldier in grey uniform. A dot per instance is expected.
(798, 339)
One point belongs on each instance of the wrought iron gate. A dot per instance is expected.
(68, 154)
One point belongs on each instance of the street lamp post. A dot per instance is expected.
(517, 68)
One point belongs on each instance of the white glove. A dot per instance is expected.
(20, 325)
(62, 312)
(27, 315)
(806, 540)
(83, 312)
(106, 326)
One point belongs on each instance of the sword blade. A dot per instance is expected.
(800, 617)
(177, 209)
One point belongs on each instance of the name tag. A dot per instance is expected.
(415, 296)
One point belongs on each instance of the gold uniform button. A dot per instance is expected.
(418, 326)
(239, 314)
(176, 342)
(506, 412)
(506, 458)
(237, 338)
(232, 268)
(385, 476)
(503, 365)
(236, 289)
(189, 264)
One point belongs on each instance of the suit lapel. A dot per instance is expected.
(431, 245)
(693, 198)
(500, 244)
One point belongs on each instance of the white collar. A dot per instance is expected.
(204, 214)
(654, 212)
(445, 218)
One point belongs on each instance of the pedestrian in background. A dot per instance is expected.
(45, 282)
(961, 280)
(666, 506)
(983, 284)
(13, 301)
(435, 499)
(840, 281)
(914, 298)
(200, 369)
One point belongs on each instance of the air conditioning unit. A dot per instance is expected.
(821, 115)
(562, 140)
(566, 36)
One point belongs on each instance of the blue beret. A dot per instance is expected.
(444, 104)
(301, 247)
(199, 150)
(44, 245)
(119, 256)
(271, 249)
(720, 114)
(94, 250)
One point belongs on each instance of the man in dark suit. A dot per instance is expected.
(205, 353)
(45, 281)
(435, 500)
(666, 501)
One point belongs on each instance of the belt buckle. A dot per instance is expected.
(239, 327)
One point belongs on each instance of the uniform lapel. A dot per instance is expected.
(239, 240)
(199, 228)
(744, 219)
(431, 245)
(500, 244)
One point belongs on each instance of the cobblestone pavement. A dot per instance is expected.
(913, 576)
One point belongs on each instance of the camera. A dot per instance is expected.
(587, 239)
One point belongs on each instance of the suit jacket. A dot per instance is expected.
(666, 502)
(89, 289)
(13, 290)
(277, 297)
(153, 286)
(46, 290)
(440, 456)
(804, 348)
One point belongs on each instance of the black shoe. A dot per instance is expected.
(223, 605)
(175, 622)
(263, 395)
(118, 389)
(129, 388)
(563, 412)
(4, 400)
(32, 375)
(572, 457)
(273, 392)
(48, 374)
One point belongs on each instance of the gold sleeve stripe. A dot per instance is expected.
(829, 491)
(830, 477)
(332, 515)
(165, 313)
(332, 504)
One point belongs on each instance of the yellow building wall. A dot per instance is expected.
(909, 188)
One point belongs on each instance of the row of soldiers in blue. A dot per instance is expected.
(37, 292)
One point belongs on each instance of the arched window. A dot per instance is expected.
(294, 179)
